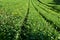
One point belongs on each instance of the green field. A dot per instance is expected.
(29, 19)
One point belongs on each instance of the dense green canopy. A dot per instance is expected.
(29, 19)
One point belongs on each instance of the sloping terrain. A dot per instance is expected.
(29, 20)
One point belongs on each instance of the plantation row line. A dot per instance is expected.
(23, 27)
(24, 20)
(47, 6)
(52, 4)
(48, 14)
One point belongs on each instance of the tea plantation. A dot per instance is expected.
(29, 19)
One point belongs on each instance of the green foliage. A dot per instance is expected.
(29, 20)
